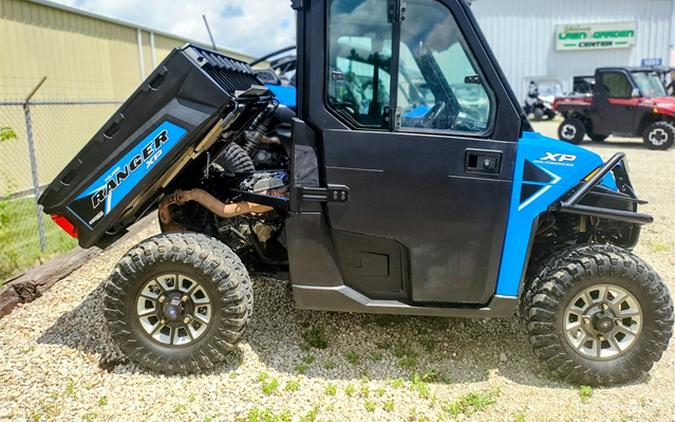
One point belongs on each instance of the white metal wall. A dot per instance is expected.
(522, 35)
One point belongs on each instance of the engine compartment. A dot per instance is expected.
(251, 167)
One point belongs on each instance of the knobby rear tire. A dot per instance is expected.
(219, 271)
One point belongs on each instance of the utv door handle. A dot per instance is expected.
(483, 161)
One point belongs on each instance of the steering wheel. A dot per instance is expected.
(349, 106)
(431, 117)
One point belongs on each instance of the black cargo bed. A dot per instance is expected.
(117, 177)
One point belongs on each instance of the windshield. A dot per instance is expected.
(650, 85)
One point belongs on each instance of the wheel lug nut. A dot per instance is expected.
(161, 299)
(601, 337)
(587, 320)
(184, 298)
(186, 320)
(163, 322)
(619, 322)
(604, 306)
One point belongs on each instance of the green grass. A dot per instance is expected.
(315, 337)
(585, 393)
(19, 242)
(292, 385)
(331, 390)
(471, 403)
(265, 415)
(352, 357)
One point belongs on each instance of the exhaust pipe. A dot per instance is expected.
(208, 201)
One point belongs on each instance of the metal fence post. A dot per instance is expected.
(34, 165)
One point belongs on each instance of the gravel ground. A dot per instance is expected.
(58, 361)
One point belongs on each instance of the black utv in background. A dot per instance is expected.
(625, 101)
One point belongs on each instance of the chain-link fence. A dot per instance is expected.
(37, 139)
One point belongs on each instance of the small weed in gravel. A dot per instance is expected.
(265, 415)
(388, 405)
(417, 384)
(471, 403)
(376, 357)
(310, 416)
(102, 401)
(269, 387)
(519, 417)
(331, 390)
(329, 364)
(292, 385)
(315, 337)
(365, 391)
(407, 362)
(70, 388)
(383, 344)
(397, 383)
(380, 392)
(352, 357)
(585, 393)
(350, 390)
(303, 366)
(369, 405)
(90, 416)
(660, 247)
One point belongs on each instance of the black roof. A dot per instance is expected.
(632, 68)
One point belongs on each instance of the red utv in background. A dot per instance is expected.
(625, 101)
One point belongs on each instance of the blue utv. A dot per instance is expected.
(388, 168)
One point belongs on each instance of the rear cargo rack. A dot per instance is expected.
(178, 112)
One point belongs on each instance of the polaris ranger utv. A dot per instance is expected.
(625, 101)
(374, 187)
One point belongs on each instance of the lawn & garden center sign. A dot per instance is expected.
(595, 36)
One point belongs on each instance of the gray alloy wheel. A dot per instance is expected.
(174, 309)
(603, 322)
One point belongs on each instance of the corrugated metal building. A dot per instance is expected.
(84, 55)
(522, 34)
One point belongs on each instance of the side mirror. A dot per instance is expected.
(636, 93)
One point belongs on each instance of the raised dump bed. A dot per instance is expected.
(177, 113)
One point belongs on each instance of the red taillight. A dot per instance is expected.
(65, 224)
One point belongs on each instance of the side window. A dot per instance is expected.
(359, 61)
(617, 85)
(440, 86)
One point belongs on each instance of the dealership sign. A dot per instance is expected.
(595, 35)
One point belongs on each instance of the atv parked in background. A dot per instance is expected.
(625, 101)
(388, 169)
(541, 95)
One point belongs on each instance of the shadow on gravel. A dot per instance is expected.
(331, 346)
